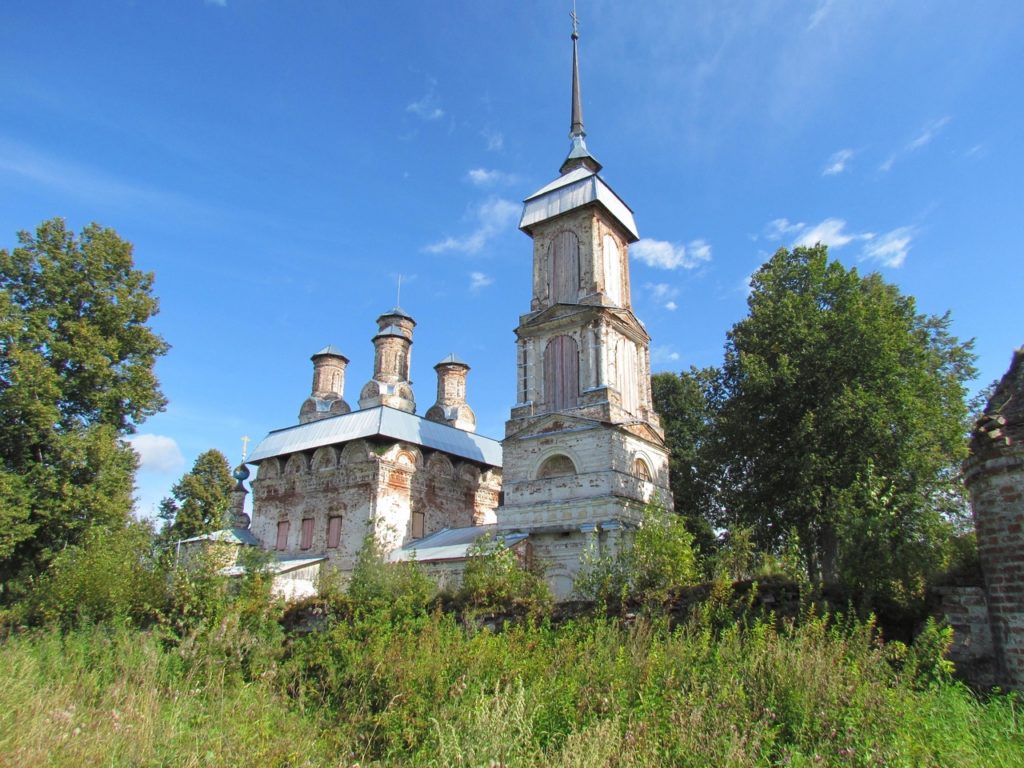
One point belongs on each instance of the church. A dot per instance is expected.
(583, 450)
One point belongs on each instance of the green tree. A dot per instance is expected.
(200, 500)
(685, 402)
(76, 374)
(842, 423)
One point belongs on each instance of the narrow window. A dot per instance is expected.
(307, 533)
(561, 373)
(564, 254)
(282, 536)
(417, 525)
(333, 532)
(612, 271)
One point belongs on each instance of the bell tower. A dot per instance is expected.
(583, 445)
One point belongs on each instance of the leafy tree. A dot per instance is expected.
(842, 423)
(649, 564)
(496, 579)
(685, 403)
(76, 374)
(200, 500)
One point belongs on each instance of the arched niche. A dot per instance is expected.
(642, 469)
(612, 271)
(440, 467)
(269, 469)
(297, 464)
(556, 465)
(325, 457)
(357, 450)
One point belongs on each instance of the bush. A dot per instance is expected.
(395, 589)
(111, 575)
(495, 579)
(650, 565)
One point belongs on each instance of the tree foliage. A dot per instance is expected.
(841, 421)
(76, 374)
(200, 500)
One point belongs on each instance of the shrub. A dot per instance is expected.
(495, 579)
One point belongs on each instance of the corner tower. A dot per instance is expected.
(583, 448)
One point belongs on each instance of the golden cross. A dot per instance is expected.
(245, 446)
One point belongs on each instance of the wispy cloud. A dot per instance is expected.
(889, 249)
(478, 280)
(484, 177)
(21, 160)
(492, 216)
(218, 3)
(663, 294)
(494, 140)
(157, 453)
(428, 106)
(830, 232)
(824, 6)
(664, 255)
(837, 163)
(927, 134)
(661, 355)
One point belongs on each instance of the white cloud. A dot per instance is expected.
(157, 453)
(889, 249)
(780, 229)
(218, 3)
(663, 354)
(494, 139)
(930, 130)
(663, 293)
(492, 217)
(428, 107)
(831, 232)
(824, 6)
(483, 177)
(478, 280)
(837, 163)
(664, 255)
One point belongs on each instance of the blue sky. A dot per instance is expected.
(279, 164)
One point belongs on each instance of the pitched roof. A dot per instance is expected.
(381, 421)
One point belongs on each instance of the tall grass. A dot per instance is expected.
(425, 690)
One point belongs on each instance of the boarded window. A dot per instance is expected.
(307, 533)
(417, 525)
(612, 271)
(282, 536)
(564, 254)
(627, 369)
(561, 373)
(333, 532)
(556, 466)
(641, 470)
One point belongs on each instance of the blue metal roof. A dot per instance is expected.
(381, 421)
(330, 349)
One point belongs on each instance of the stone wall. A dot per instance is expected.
(389, 483)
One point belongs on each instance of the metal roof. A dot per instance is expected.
(397, 312)
(330, 349)
(451, 544)
(277, 566)
(227, 536)
(452, 359)
(579, 187)
(381, 421)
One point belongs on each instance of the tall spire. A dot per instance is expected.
(579, 155)
(576, 129)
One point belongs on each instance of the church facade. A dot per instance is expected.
(583, 450)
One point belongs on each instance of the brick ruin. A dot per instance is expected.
(994, 476)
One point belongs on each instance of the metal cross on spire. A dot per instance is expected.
(575, 21)
(245, 446)
(576, 128)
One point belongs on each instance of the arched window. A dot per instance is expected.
(641, 470)
(556, 466)
(612, 271)
(561, 373)
(627, 370)
(564, 268)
